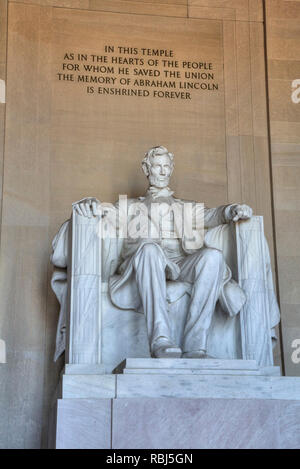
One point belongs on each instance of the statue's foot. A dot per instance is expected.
(166, 349)
(168, 352)
(195, 354)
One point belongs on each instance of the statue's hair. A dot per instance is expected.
(155, 151)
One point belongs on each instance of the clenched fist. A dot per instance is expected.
(240, 212)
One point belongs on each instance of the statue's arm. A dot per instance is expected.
(226, 213)
(87, 207)
(59, 284)
(59, 256)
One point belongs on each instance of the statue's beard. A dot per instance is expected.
(158, 181)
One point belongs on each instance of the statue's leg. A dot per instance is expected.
(150, 274)
(205, 270)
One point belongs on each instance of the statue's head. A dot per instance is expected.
(158, 165)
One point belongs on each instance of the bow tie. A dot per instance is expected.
(155, 192)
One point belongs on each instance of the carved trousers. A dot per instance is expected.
(204, 269)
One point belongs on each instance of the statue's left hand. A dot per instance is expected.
(88, 207)
(240, 212)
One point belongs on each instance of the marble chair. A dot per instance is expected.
(95, 332)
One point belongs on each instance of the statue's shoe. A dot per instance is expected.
(166, 349)
(195, 354)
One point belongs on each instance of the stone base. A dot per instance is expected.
(172, 423)
(170, 366)
(185, 404)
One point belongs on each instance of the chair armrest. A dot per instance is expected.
(252, 277)
(84, 291)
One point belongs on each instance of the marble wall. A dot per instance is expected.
(3, 43)
(60, 145)
(3, 46)
(283, 44)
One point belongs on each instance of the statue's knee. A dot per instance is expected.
(148, 251)
(213, 256)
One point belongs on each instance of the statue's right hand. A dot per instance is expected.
(89, 207)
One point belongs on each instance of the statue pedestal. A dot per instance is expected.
(185, 404)
(171, 366)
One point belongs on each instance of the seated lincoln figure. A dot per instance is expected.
(148, 262)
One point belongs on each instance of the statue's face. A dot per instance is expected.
(160, 171)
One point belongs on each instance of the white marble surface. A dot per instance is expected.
(180, 385)
(84, 323)
(84, 369)
(272, 371)
(289, 424)
(124, 334)
(88, 386)
(181, 363)
(252, 267)
(207, 386)
(195, 423)
(83, 424)
(172, 423)
(148, 366)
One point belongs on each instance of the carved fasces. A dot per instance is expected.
(84, 284)
(252, 277)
